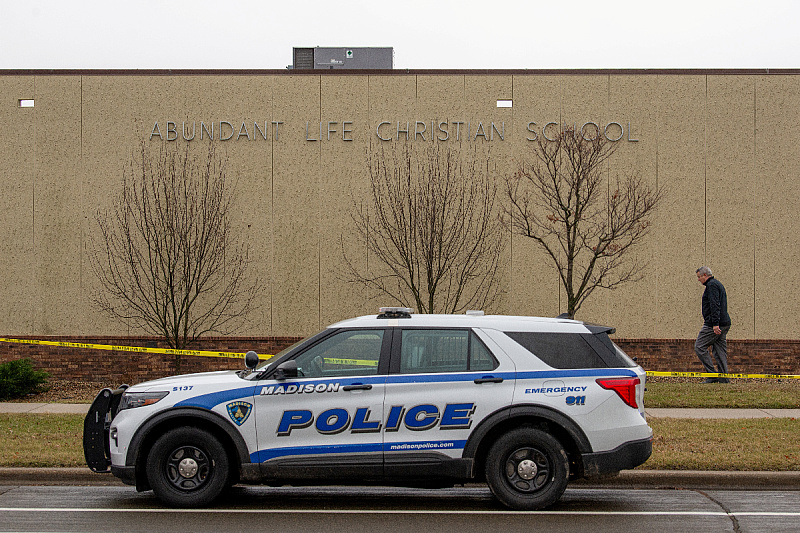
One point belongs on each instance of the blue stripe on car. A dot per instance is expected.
(373, 447)
(209, 401)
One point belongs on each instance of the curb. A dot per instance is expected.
(631, 479)
(696, 479)
(55, 476)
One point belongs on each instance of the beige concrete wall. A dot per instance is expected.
(18, 171)
(535, 288)
(731, 194)
(777, 191)
(57, 206)
(631, 102)
(722, 146)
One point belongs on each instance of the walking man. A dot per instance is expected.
(716, 324)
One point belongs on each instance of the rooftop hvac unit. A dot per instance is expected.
(343, 58)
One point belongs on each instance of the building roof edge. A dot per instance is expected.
(398, 72)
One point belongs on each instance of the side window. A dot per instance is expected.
(480, 358)
(347, 353)
(432, 350)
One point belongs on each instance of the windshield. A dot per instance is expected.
(266, 362)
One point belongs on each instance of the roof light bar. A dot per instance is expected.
(395, 312)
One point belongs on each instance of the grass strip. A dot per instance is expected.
(770, 444)
(41, 440)
(735, 395)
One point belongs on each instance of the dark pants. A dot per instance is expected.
(719, 348)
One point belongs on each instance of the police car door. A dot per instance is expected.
(442, 383)
(326, 422)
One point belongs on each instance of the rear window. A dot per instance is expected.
(571, 350)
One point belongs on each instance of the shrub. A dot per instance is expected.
(19, 377)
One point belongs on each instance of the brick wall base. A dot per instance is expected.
(114, 367)
(744, 356)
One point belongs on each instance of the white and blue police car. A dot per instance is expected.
(523, 403)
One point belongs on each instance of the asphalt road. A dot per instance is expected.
(389, 510)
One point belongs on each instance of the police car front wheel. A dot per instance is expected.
(187, 467)
(527, 469)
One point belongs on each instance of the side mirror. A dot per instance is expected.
(287, 369)
(251, 359)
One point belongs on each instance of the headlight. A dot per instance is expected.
(131, 400)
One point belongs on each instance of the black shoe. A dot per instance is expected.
(711, 380)
(723, 380)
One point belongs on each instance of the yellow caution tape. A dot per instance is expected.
(139, 349)
(171, 351)
(722, 375)
(352, 362)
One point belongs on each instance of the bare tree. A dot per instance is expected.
(585, 222)
(430, 224)
(169, 261)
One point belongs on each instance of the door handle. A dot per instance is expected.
(488, 380)
(357, 386)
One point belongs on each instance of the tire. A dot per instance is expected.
(187, 467)
(527, 469)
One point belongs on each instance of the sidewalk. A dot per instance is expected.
(82, 409)
(722, 413)
(45, 408)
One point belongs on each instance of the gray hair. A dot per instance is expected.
(704, 271)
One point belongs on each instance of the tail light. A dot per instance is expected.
(624, 387)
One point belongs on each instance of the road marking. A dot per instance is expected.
(396, 511)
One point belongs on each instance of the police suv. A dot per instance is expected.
(525, 404)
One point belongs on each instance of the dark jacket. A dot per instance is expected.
(715, 304)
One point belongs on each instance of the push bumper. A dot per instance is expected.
(96, 425)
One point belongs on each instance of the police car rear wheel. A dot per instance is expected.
(527, 469)
(187, 467)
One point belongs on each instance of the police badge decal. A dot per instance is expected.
(239, 411)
